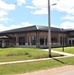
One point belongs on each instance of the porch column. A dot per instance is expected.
(3, 43)
(17, 40)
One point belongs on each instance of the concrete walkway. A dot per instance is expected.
(23, 61)
(63, 53)
(32, 60)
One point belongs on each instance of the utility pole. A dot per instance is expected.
(49, 28)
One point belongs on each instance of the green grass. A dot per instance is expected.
(66, 49)
(32, 66)
(13, 54)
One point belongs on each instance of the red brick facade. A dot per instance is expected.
(55, 39)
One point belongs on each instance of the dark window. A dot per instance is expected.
(65, 40)
(33, 40)
(28, 40)
(22, 40)
(53, 39)
(41, 40)
(69, 42)
(61, 40)
(45, 40)
(72, 42)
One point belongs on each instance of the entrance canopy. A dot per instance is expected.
(5, 37)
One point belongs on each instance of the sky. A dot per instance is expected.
(22, 13)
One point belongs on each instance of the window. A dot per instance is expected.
(45, 40)
(65, 40)
(61, 40)
(22, 40)
(53, 39)
(69, 42)
(33, 40)
(41, 40)
(72, 42)
(28, 40)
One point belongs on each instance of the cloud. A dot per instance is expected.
(39, 3)
(4, 10)
(62, 6)
(23, 24)
(67, 25)
(6, 6)
(2, 27)
(31, 7)
(65, 6)
(40, 6)
(2, 13)
(55, 26)
(4, 19)
(26, 24)
(41, 11)
(21, 2)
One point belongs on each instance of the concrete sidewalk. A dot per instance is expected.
(63, 53)
(32, 60)
(23, 61)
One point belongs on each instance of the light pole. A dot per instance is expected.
(62, 41)
(49, 28)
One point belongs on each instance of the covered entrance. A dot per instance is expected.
(5, 41)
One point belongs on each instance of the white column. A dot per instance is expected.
(17, 44)
(3, 44)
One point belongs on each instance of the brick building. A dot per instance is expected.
(36, 36)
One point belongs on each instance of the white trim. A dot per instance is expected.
(37, 27)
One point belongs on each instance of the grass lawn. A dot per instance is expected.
(10, 54)
(66, 49)
(13, 54)
(32, 66)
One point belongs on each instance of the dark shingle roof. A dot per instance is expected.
(53, 29)
(24, 29)
(32, 28)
